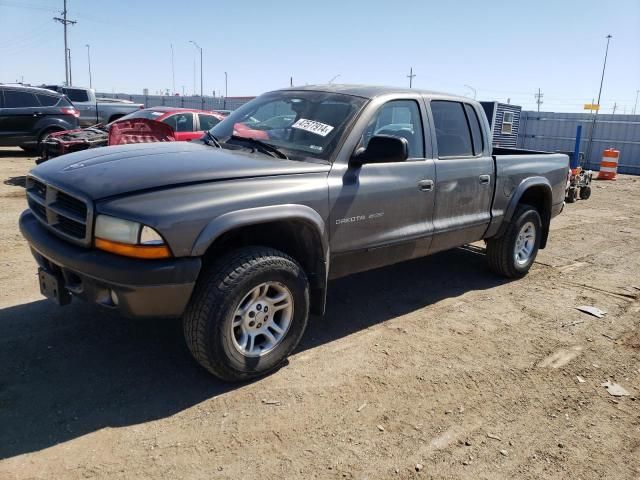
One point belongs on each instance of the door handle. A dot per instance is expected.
(37, 114)
(425, 185)
(484, 179)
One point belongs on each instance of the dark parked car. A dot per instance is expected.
(29, 114)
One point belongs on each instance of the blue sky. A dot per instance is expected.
(503, 49)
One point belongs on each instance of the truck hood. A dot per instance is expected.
(106, 172)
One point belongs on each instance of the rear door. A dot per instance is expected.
(20, 111)
(183, 125)
(464, 175)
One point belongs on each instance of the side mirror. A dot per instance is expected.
(382, 149)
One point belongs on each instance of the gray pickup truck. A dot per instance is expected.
(94, 110)
(239, 232)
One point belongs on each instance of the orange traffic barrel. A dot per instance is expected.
(609, 164)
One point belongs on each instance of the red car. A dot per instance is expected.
(186, 124)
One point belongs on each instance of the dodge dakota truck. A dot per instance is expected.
(239, 233)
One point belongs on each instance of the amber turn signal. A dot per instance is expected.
(135, 251)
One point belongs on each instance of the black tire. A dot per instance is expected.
(42, 154)
(585, 193)
(501, 251)
(208, 319)
(572, 195)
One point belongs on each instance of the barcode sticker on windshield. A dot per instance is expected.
(312, 126)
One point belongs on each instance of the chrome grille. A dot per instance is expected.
(65, 214)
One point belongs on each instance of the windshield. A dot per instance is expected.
(302, 123)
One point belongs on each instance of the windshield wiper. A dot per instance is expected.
(211, 140)
(262, 146)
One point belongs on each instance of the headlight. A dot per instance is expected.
(131, 239)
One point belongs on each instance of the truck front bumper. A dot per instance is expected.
(136, 288)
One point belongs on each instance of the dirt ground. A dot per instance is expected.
(434, 368)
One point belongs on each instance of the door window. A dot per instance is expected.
(207, 122)
(398, 118)
(452, 129)
(17, 99)
(476, 131)
(181, 122)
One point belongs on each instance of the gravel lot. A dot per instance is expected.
(434, 368)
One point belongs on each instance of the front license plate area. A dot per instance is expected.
(52, 287)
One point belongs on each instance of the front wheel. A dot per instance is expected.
(248, 313)
(512, 254)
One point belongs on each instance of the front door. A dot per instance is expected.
(380, 213)
(465, 176)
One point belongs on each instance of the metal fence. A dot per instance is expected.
(203, 103)
(557, 132)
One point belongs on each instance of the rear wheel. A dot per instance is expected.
(572, 195)
(248, 313)
(512, 254)
(585, 193)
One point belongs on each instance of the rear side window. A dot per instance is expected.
(452, 130)
(17, 99)
(181, 122)
(64, 102)
(76, 94)
(207, 122)
(47, 100)
(476, 131)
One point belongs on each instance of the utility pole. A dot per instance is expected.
(410, 77)
(595, 116)
(539, 101)
(173, 74)
(70, 77)
(635, 105)
(615, 106)
(199, 48)
(65, 22)
(89, 61)
(291, 84)
(226, 84)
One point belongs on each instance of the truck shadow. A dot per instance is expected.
(67, 372)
